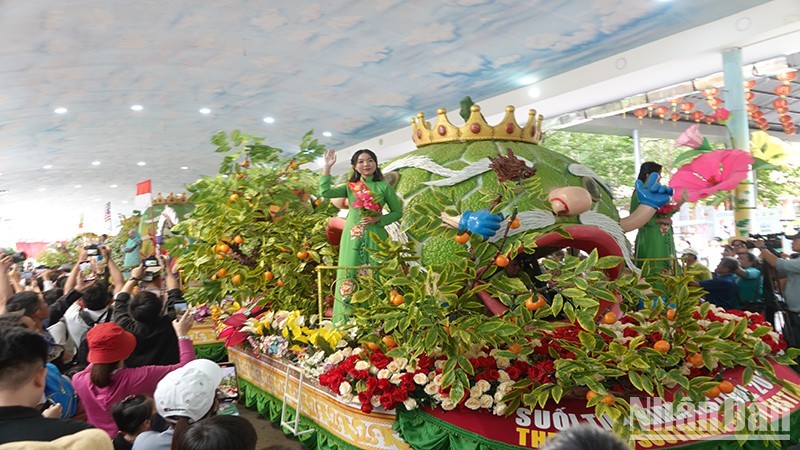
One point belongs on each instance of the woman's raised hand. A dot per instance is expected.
(329, 157)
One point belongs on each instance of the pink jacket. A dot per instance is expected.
(139, 380)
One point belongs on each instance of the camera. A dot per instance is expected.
(149, 276)
(92, 250)
(772, 241)
(16, 257)
(150, 261)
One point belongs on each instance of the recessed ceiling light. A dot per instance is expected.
(77, 186)
(269, 120)
(141, 163)
(327, 133)
(95, 163)
(60, 110)
(124, 202)
(205, 111)
(113, 186)
(184, 168)
(137, 107)
(42, 189)
(47, 166)
(534, 92)
(526, 80)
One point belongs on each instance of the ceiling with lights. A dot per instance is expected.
(97, 96)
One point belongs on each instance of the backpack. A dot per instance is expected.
(82, 352)
(58, 388)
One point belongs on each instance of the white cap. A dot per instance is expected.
(690, 251)
(188, 391)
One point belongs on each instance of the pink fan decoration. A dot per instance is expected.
(709, 173)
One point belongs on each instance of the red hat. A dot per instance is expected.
(109, 343)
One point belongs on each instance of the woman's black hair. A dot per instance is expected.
(219, 433)
(132, 412)
(354, 159)
(648, 168)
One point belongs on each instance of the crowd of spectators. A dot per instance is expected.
(89, 359)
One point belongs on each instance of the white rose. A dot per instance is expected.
(502, 363)
(336, 358)
(345, 388)
(483, 385)
(438, 379)
(393, 366)
(348, 398)
(500, 409)
(498, 396)
(375, 401)
(357, 350)
(486, 401)
(503, 376)
(473, 403)
(420, 378)
(384, 374)
(401, 363)
(475, 392)
(685, 369)
(439, 364)
(448, 404)
(362, 365)
(431, 388)
(410, 404)
(396, 378)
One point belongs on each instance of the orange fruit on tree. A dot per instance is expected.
(608, 399)
(398, 300)
(222, 272)
(236, 279)
(274, 208)
(373, 346)
(462, 238)
(501, 261)
(389, 341)
(238, 239)
(514, 223)
(713, 392)
(590, 394)
(214, 277)
(662, 346)
(392, 293)
(726, 387)
(609, 318)
(233, 197)
(268, 275)
(223, 248)
(220, 256)
(671, 314)
(695, 360)
(516, 348)
(302, 254)
(293, 165)
(279, 282)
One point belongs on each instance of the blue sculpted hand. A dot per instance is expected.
(652, 193)
(480, 222)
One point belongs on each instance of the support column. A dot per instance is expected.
(745, 195)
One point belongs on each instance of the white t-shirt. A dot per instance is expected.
(76, 326)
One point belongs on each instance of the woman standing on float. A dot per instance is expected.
(367, 194)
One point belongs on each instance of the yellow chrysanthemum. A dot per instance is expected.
(768, 148)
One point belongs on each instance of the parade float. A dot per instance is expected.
(471, 339)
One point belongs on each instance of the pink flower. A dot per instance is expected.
(709, 173)
(721, 115)
(692, 137)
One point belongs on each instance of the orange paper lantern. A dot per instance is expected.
(698, 116)
(687, 107)
(783, 90)
(640, 113)
(780, 103)
(710, 92)
(749, 84)
(674, 117)
(786, 77)
(749, 96)
(662, 111)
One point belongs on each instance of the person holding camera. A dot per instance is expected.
(722, 288)
(149, 319)
(790, 269)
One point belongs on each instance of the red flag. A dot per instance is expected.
(144, 197)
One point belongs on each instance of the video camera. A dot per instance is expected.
(16, 257)
(92, 250)
(772, 241)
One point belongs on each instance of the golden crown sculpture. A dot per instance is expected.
(171, 198)
(476, 128)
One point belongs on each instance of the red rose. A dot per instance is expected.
(366, 407)
(387, 401)
(513, 372)
(364, 397)
(379, 360)
(372, 383)
(399, 395)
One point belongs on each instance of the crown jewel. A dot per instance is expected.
(476, 128)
